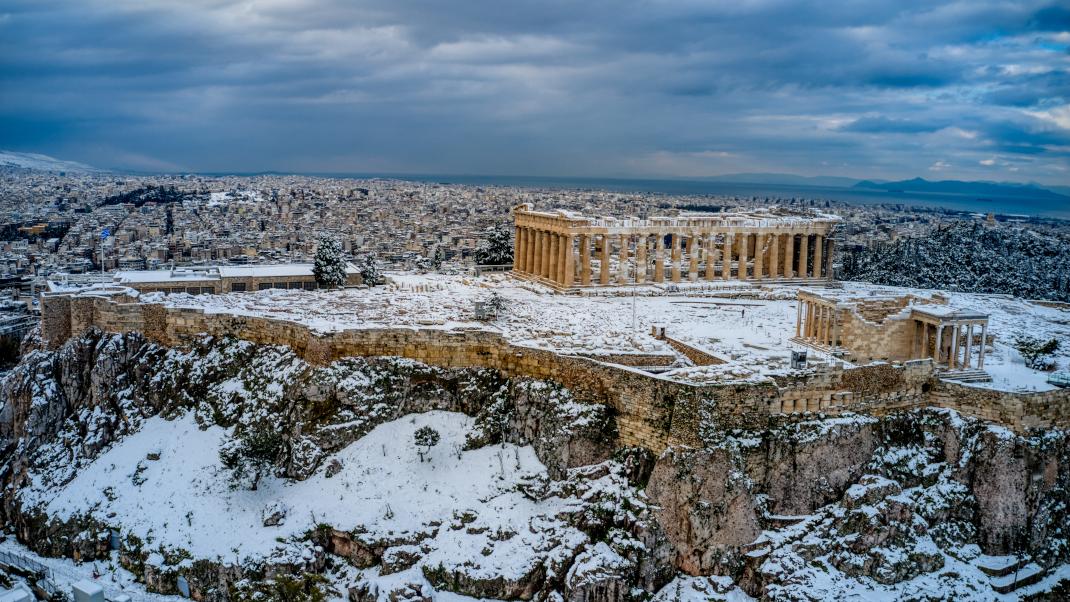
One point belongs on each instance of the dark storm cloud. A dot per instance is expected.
(888, 89)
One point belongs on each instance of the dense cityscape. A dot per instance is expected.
(56, 220)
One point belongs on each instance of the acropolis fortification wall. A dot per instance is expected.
(652, 411)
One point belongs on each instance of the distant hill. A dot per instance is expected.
(786, 179)
(43, 163)
(981, 189)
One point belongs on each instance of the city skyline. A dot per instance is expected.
(972, 91)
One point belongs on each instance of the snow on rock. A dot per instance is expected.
(184, 499)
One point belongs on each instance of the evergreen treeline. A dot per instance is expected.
(969, 257)
(140, 196)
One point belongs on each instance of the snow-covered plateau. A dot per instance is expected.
(226, 470)
(750, 327)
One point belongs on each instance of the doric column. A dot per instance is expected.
(804, 252)
(808, 328)
(798, 318)
(710, 253)
(759, 256)
(553, 258)
(640, 258)
(741, 266)
(969, 346)
(675, 257)
(540, 242)
(570, 260)
(548, 254)
(938, 351)
(953, 357)
(529, 262)
(774, 256)
(789, 255)
(692, 257)
(603, 270)
(518, 249)
(622, 263)
(830, 246)
(819, 244)
(525, 251)
(828, 326)
(659, 258)
(726, 256)
(585, 259)
(984, 346)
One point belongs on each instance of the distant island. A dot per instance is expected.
(981, 189)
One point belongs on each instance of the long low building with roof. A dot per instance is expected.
(226, 279)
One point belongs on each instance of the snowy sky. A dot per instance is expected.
(973, 89)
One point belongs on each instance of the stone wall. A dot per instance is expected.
(1019, 411)
(888, 340)
(696, 355)
(652, 411)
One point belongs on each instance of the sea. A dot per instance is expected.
(1009, 206)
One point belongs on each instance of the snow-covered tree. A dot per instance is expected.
(496, 247)
(426, 438)
(369, 271)
(1037, 352)
(329, 267)
(251, 455)
(496, 303)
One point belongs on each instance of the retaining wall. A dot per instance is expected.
(652, 411)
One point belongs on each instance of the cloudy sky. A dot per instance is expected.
(973, 89)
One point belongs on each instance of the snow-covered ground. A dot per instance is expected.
(1009, 318)
(753, 334)
(184, 499)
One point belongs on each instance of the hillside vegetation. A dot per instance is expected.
(969, 257)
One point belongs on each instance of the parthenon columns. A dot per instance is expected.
(710, 253)
(585, 259)
(692, 259)
(603, 272)
(622, 259)
(741, 269)
(726, 256)
(640, 258)
(558, 248)
(675, 257)
(789, 255)
(818, 245)
(659, 260)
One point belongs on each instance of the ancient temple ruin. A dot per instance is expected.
(566, 250)
(864, 328)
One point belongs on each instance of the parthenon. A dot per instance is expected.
(566, 250)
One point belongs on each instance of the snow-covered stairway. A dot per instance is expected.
(967, 376)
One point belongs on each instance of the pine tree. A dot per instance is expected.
(496, 248)
(329, 267)
(369, 271)
(426, 438)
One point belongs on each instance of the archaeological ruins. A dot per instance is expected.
(898, 328)
(564, 249)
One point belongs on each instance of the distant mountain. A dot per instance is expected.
(981, 189)
(786, 179)
(42, 162)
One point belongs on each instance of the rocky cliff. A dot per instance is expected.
(909, 504)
